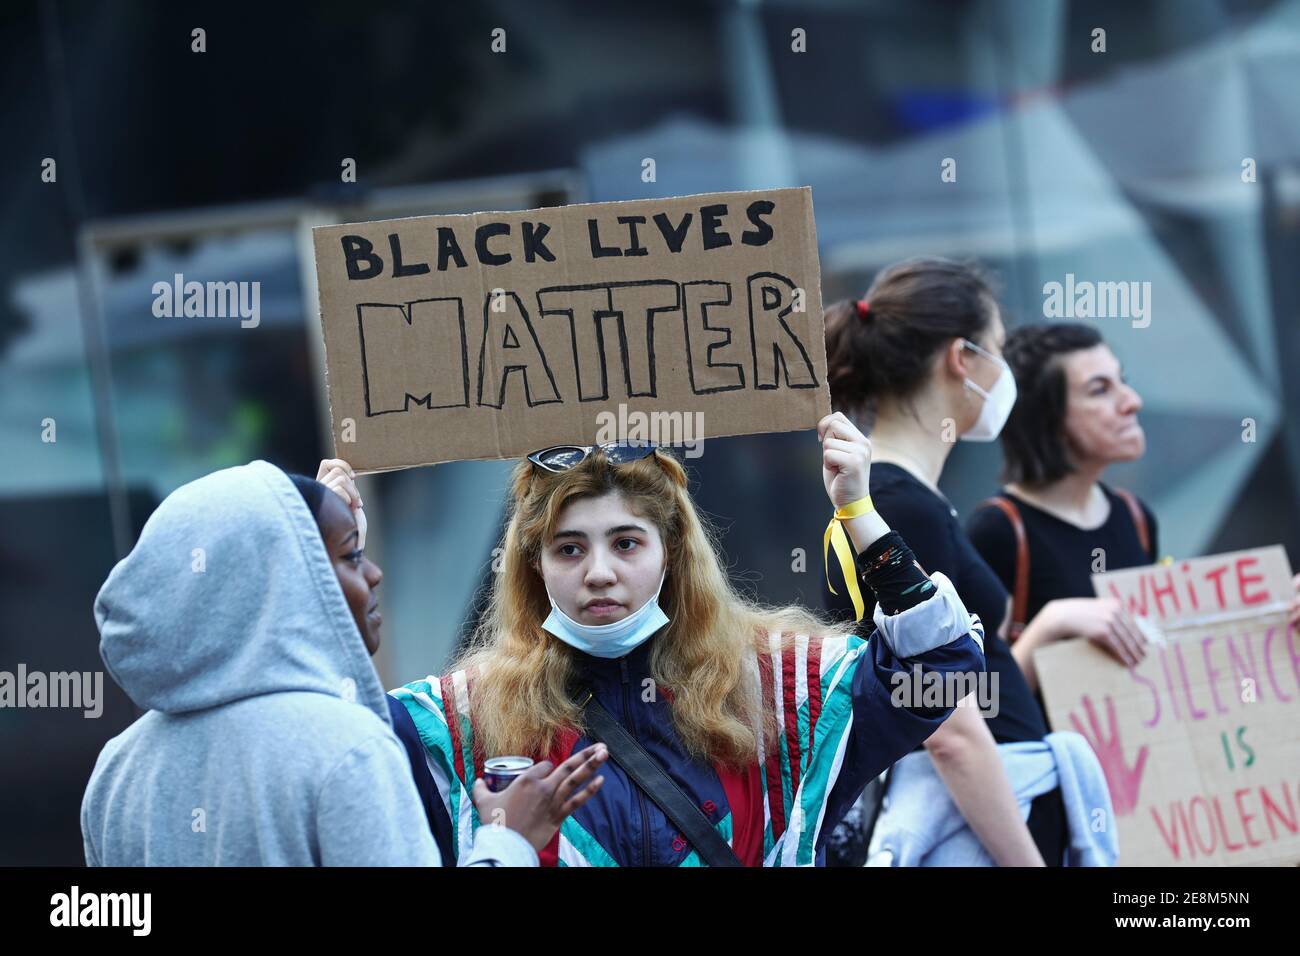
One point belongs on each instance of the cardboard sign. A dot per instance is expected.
(1219, 584)
(496, 334)
(1201, 741)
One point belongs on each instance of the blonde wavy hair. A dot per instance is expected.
(524, 685)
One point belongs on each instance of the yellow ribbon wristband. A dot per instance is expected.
(836, 537)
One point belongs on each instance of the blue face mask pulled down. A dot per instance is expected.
(609, 641)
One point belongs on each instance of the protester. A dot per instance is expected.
(917, 361)
(1074, 418)
(765, 723)
(242, 626)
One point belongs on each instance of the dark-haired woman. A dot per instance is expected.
(917, 362)
(1056, 523)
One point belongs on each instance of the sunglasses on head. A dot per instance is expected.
(560, 458)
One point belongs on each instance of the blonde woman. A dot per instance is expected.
(612, 595)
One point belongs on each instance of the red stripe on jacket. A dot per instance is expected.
(562, 751)
(453, 723)
(744, 790)
(791, 711)
(476, 742)
(814, 688)
(775, 801)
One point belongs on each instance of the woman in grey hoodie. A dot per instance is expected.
(267, 739)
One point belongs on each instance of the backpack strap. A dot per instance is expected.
(1020, 595)
(1139, 520)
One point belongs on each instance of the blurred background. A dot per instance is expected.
(1117, 166)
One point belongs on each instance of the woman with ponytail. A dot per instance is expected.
(916, 362)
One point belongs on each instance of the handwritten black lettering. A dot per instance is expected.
(433, 329)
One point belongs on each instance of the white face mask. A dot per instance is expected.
(609, 641)
(998, 401)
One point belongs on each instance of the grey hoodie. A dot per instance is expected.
(267, 738)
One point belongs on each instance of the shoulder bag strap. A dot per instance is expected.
(1139, 520)
(1020, 595)
(658, 786)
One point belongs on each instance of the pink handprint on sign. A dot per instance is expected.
(1123, 781)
